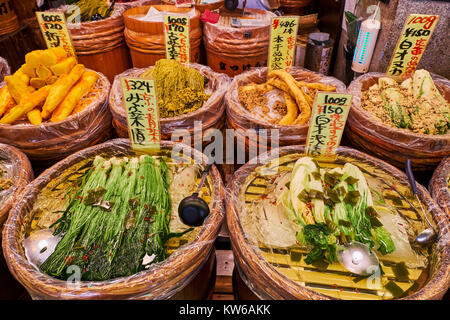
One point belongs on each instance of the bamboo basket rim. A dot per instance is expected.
(22, 173)
(439, 186)
(102, 82)
(356, 111)
(242, 116)
(123, 287)
(282, 286)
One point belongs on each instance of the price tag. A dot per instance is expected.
(328, 117)
(176, 30)
(283, 36)
(139, 96)
(412, 43)
(54, 29)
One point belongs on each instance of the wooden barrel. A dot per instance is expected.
(19, 170)
(26, 12)
(146, 39)
(391, 144)
(209, 6)
(239, 118)
(161, 281)
(439, 185)
(276, 273)
(211, 114)
(294, 7)
(57, 140)
(234, 50)
(138, 3)
(8, 18)
(100, 45)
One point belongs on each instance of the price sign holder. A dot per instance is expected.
(283, 37)
(141, 105)
(411, 44)
(328, 118)
(54, 30)
(176, 34)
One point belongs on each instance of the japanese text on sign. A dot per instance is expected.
(412, 43)
(328, 117)
(176, 30)
(54, 30)
(283, 36)
(139, 96)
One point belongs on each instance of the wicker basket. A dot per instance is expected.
(21, 173)
(439, 185)
(392, 144)
(273, 274)
(57, 140)
(211, 114)
(161, 281)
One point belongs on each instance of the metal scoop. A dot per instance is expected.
(358, 259)
(193, 210)
(427, 235)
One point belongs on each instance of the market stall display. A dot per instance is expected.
(289, 216)
(15, 174)
(395, 121)
(152, 255)
(256, 100)
(144, 33)
(440, 184)
(233, 50)
(294, 7)
(186, 95)
(52, 106)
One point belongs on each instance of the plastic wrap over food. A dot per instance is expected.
(239, 117)
(57, 140)
(160, 280)
(274, 264)
(15, 174)
(210, 114)
(134, 4)
(257, 21)
(391, 143)
(4, 69)
(439, 185)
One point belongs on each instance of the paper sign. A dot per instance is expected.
(328, 117)
(283, 35)
(176, 30)
(54, 29)
(412, 43)
(139, 96)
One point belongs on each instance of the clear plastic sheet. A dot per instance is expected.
(439, 185)
(161, 281)
(16, 167)
(57, 140)
(393, 144)
(241, 118)
(4, 69)
(210, 114)
(134, 4)
(271, 271)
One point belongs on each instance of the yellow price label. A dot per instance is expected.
(410, 46)
(283, 36)
(176, 33)
(54, 29)
(328, 118)
(141, 105)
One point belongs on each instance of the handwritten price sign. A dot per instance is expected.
(54, 29)
(176, 30)
(328, 117)
(412, 43)
(283, 36)
(143, 114)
